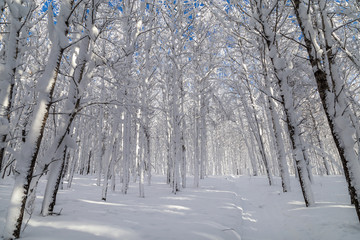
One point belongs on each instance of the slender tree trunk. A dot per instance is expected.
(280, 148)
(196, 147)
(255, 125)
(319, 142)
(249, 149)
(330, 88)
(109, 159)
(81, 78)
(72, 169)
(282, 75)
(126, 151)
(8, 71)
(53, 183)
(203, 135)
(30, 148)
(141, 169)
(176, 142)
(88, 167)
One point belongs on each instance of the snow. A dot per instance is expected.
(94, 32)
(70, 142)
(4, 129)
(270, 214)
(13, 206)
(234, 207)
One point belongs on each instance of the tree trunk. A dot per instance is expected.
(330, 88)
(66, 125)
(282, 75)
(30, 148)
(8, 71)
(53, 183)
(319, 142)
(126, 152)
(280, 148)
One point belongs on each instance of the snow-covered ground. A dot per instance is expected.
(223, 208)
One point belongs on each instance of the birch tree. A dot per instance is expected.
(30, 149)
(81, 76)
(11, 52)
(282, 74)
(317, 27)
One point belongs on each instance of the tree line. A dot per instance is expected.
(124, 89)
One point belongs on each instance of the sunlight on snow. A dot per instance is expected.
(221, 191)
(232, 206)
(177, 198)
(176, 207)
(172, 212)
(247, 217)
(207, 236)
(97, 230)
(300, 203)
(14, 205)
(319, 205)
(103, 203)
(17, 193)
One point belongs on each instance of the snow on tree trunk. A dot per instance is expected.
(141, 167)
(282, 73)
(331, 90)
(196, 153)
(307, 161)
(280, 148)
(176, 138)
(203, 137)
(8, 68)
(147, 157)
(253, 121)
(109, 160)
(249, 144)
(100, 146)
(53, 182)
(126, 152)
(30, 149)
(320, 143)
(80, 80)
(168, 137)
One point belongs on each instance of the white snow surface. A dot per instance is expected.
(223, 208)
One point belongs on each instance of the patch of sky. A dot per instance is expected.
(118, 4)
(45, 7)
(197, 4)
(189, 33)
(53, 4)
(221, 72)
(341, 1)
(227, 6)
(301, 36)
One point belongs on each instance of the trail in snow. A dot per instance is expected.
(223, 208)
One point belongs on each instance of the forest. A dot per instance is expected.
(125, 91)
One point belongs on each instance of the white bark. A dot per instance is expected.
(280, 148)
(8, 68)
(30, 149)
(282, 73)
(330, 87)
